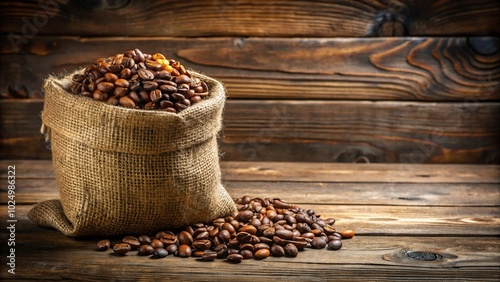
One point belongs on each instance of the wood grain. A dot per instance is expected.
(317, 131)
(253, 18)
(409, 69)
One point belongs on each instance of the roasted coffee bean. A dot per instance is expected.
(185, 238)
(195, 99)
(221, 250)
(163, 74)
(145, 74)
(111, 77)
(120, 92)
(262, 254)
(160, 253)
(146, 250)
(181, 79)
(184, 251)
(234, 258)
(154, 65)
(166, 104)
(132, 241)
(284, 234)
(203, 244)
(144, 239)
(246, 254)
(105, 86)
(227, 226)
(125, 73)
(139, 56)
(134, 85)
(155, 95)
(103, 245)
(209, 255)
(334, 245)
(150, 85)
(151, 106)
(347, 234)
(126, 102)
(122, 83)
(277, 250)
(135, 97)
(197, 253)
(318, 243)
(291, 250)
(249, 229)
(100, 96)
(172, 249)
(156, 243)
(121, 248)
(78, 78)
(113, 101)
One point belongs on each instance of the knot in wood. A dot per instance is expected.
(427, 256)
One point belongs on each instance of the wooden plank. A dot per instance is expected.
(314, 172)
(318, 131)
(31, 191)
(412, 69)
(385, 220)
(58, 256)
(252, 18)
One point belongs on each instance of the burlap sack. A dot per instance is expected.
(127, 171)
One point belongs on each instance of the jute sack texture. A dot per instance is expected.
(130, 171)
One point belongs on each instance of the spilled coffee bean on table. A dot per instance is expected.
(259, 229)
(141, 81)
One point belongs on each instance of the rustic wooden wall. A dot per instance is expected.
(330, 81)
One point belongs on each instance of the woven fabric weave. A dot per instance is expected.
(130, 171)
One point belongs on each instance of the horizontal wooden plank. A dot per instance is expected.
(363, 257)
(411, 69)
(35, 182)
(314, 172)
(385, 220)
(251, 18)
(317, 131)
(31, 191)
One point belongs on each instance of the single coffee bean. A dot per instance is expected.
(111, 77)
(145, 74)
(133, 95)
(291, 250)
(203, 244)
(209, 255)
(197, 253)
(121, 248)
(122, 83)
(234, 258)
(154, 65)
(125, 73)
(150, 85)
(166, 104)
(120, 92)
(146, 250)
(185, 238)
(171, 249)
(246, 254)
(113, 101)
(183, 79)
(195, 99)
(227, 226)
(156, 243)
(103, 245)
(221, 250)
(284, 234)
(262, 254)
(144, 239)
(184, 251)
(105, 86)
(139, 56)
(132, 241)
(155, 95)
(249, 229)
(347, 234)
(151, 106)
(163, 74)
(160, 253)
(277, 250)
(334, 245)
(100, 96)
(144, 96)
(126, 102)
(78, 78)
(318, 243)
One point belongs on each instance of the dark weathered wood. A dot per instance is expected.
(58, 257)
(253, 18)
(414, 69)
(318, 131)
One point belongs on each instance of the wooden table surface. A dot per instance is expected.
(412, 222)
